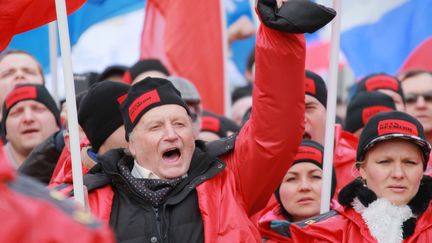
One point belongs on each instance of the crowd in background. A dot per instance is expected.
(158, 166)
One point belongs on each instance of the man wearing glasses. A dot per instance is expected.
(417, 87)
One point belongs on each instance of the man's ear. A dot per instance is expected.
(131, 145)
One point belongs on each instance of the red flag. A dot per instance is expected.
(18, 16)
(420, 58)
(187, 37)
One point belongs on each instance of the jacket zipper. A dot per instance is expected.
(155, 209)
(158, 222)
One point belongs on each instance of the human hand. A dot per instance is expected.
(242, 28)
(280, 2)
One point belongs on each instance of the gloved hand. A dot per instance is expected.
(294, 16)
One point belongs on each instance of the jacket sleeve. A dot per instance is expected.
(42, 160)
(32, 213)
(267, 144)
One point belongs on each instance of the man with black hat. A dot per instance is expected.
(364, 106)
(145, 68)
(99, 115)
(315, 117)
(417, 87)
(18, 67)
(316, 105)
(187, 191)
(30, 115)
(386, 84)
(100, 119)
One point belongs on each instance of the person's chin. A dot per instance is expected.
(173, 172)
(398, 200)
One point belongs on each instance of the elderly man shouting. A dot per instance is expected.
(169, 187)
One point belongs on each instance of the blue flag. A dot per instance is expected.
(92, 12)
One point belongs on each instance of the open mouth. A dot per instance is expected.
(306, 135)
(29, 131)
(171, 155)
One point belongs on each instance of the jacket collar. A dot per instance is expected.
(418, 204)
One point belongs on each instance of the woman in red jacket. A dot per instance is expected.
(391, 200)
(298, 196)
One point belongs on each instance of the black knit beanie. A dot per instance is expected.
(143, 66)
(145, 95)
(216, 124)
(365, 105)
(36, 92)
(99, 114)
(308, 152)
(380, 81)
(316, 87)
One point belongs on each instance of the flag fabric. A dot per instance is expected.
(187, 37)
(420, 58)
(384, 45)
(389, 36)
(20, 16)
(240, 49)
(92, 12)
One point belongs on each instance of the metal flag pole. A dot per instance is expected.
(70, 101)
(53, 54)
(331, 110)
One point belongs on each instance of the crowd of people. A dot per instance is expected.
(158, 167)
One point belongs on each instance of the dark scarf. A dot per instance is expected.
(154, 191)
(157, 191)
(418, 204)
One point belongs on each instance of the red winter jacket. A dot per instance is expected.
(275, 214)
(349, 226)
(264, 226)
(258, 162)
(344, 158)
(30, 213)
(62, 174)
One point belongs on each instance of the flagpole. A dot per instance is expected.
(70, 101)
(331, 110)
(255, 18)
(53, 54)
(227, 94)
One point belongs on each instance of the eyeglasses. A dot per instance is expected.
(412, 98)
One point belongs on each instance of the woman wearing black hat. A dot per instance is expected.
(391, 200)
(298, 196)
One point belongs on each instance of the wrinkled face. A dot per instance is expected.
(28, 124)
(315, 117)
(18, 68)
(397, 99)
(393, 170)
(163, 141)
(300, 190)
(419, 106)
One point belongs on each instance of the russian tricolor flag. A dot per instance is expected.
(389, 36)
